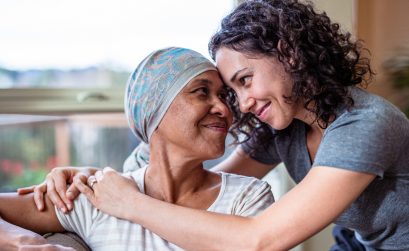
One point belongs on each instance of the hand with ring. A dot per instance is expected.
(91, 181)
(57, 187)
(113, 189)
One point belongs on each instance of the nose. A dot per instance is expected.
(245, 102)
(220, 108)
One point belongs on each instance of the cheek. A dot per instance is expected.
(260, 91)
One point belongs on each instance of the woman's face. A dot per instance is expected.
(260, 84)
(198, 120)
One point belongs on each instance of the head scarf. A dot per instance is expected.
(156, 82)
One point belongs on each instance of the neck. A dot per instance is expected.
(171, 176)
(309, 118)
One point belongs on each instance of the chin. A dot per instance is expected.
(279, 125)
(216, 152)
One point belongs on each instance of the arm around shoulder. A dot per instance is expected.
(309, 207)
(239, 162)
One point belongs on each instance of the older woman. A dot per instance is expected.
(296, 78)
(173, 103)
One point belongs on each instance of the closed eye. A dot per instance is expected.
(201, 90)
(223, 94)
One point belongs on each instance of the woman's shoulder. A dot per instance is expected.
(243, 195)
(243, 183)
(138, 176)
(370, 110)
(370, 104)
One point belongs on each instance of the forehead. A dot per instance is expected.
(230, 62)
(231, 57)
(208, 77)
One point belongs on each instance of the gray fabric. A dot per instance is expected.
(372, 137)
(67, 239)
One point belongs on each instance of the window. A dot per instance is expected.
(90, 47)
(32, 145)
(63, 69)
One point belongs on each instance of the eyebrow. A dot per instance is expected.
(233, 78)
(202, 81)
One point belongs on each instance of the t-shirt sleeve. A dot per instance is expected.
(358, 142)
(255, 199)
(80, 219)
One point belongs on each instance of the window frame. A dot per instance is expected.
(61, 101)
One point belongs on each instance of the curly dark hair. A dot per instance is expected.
(322, 60)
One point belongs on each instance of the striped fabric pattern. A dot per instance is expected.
(239, 195)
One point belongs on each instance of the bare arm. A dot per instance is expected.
(313, 204)
(241, 163)
(20, 210)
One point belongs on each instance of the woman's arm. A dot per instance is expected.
(62, 196)
(20, 210)
(313, 204)
(241, 163)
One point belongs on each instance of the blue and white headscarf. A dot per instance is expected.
(156, 82)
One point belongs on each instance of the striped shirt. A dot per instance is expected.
(239, 195)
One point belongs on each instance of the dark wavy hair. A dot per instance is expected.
(322, 60)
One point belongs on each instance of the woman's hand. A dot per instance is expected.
(109, 191)
(55, 185)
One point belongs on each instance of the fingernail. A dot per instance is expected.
(69, 194)
(69, 206)
(63, 210)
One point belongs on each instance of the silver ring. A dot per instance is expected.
(91, 181)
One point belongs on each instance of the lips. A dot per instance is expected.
(261, 113)
(217, 126)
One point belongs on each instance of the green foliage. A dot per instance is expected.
(26, 155)
(28, 151)
(34, 143)
(28, 177)
(398, 68)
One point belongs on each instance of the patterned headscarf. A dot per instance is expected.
(156, 82)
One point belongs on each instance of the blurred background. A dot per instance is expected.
(64, 65)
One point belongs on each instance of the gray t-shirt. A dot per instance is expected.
(372, 137)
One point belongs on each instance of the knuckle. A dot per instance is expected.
(37, 189)
(60, 190)
(78, 180)
(75, 179)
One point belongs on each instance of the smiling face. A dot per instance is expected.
(197, 121)
(261, 85)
